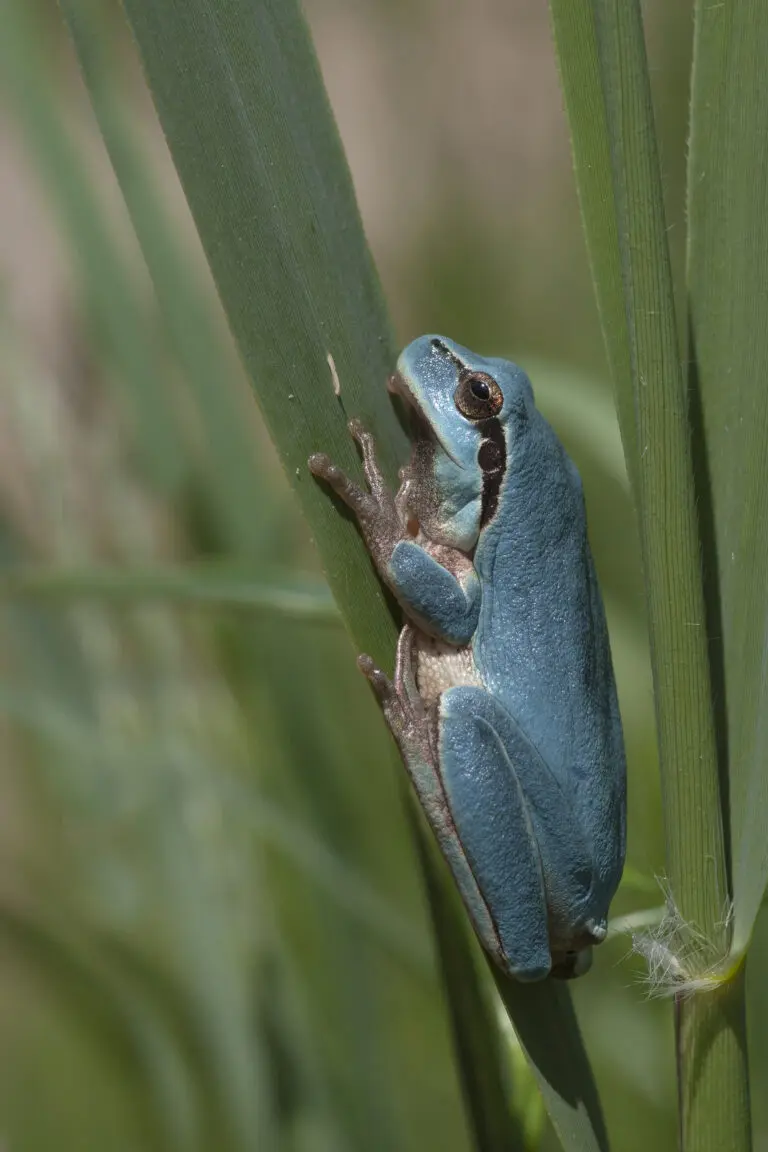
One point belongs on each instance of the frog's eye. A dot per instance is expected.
(478, 396)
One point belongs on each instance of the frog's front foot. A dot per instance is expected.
(375, 510)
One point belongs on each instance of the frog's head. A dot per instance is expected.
(467, 412)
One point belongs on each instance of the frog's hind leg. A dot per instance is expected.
(412, 729)
(483, 770)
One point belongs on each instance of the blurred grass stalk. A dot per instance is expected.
(698, 462)
(244, 110)
(241, 101)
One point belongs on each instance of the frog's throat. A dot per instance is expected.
(398, 386)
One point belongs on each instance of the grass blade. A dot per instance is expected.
(119, 322)
(115, 1017)
(242, 105)
(728, 358)
(605, 77)
(478, 1042)
(612, 119)
(728, 284)
(546, 1024)
(204, 357)
(212, 586)
(576, 42)
(241, 102)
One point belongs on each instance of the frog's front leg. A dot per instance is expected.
(376, 511)
(443, 603)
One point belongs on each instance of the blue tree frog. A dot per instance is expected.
(504, 701)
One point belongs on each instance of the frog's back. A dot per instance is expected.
(542, 645)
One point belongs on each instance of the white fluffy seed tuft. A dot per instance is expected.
(681, 959)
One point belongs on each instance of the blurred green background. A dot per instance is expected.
(212, 928)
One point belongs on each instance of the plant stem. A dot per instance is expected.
(714, 1111)
(607, 89)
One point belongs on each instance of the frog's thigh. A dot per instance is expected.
(493, 823)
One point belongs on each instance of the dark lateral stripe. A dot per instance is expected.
(446, 351)
(492, 458)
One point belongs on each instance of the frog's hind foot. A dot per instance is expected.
(403, 713)
(383, 688)
(405, 675)
(571, 965)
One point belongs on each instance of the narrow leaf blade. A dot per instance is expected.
(728, 287)
(241, 102)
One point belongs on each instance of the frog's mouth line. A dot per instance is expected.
(421, 428)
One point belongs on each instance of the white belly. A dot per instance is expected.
(440, 666)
